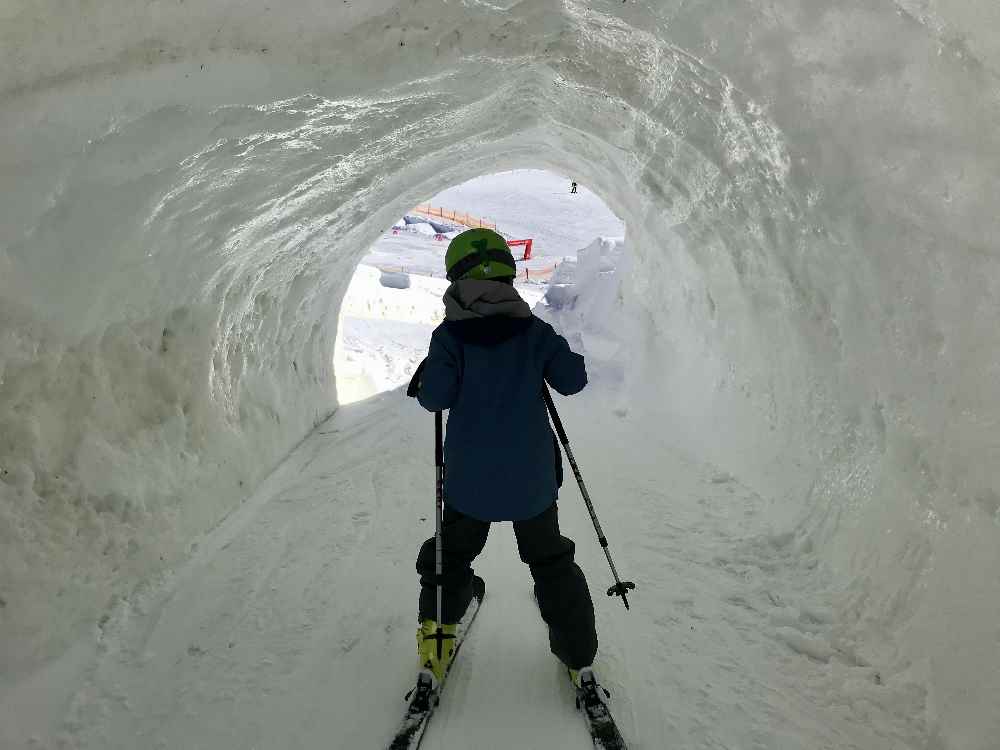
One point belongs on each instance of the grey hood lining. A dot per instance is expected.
(476, 298)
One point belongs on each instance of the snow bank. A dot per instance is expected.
(585, 302)
(117, 449)
(812, 303)
(368, 297)
(383, 331)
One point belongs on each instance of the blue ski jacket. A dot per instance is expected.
(502, 460)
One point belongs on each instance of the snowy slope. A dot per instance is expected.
(535, 203)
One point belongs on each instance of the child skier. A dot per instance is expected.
(487, 363)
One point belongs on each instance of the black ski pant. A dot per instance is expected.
(560, 586)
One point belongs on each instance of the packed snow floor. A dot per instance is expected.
(293, 625)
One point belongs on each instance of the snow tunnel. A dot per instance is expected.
(811, 304)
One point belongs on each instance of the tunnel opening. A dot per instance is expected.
(394, 299)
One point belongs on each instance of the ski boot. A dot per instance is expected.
(427, 638)
(427, 647)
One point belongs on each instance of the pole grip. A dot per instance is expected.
(554, 414)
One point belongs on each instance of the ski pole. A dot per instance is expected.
(439, 636)
(620, 588)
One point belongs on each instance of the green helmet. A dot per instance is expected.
(479, 254)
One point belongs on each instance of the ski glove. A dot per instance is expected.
(414, 387)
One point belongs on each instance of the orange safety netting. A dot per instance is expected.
(459, 218)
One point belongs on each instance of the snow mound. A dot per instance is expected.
(584, 302)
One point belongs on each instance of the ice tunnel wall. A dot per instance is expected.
(809, 191)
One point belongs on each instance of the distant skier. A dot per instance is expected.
(487, 363)
(572, 187)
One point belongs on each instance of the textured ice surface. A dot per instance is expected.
(809, 190)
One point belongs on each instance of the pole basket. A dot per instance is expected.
(620, 589)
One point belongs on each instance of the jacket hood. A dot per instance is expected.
(470, 299)
(485, 312)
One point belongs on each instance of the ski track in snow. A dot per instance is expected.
(293, 624)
